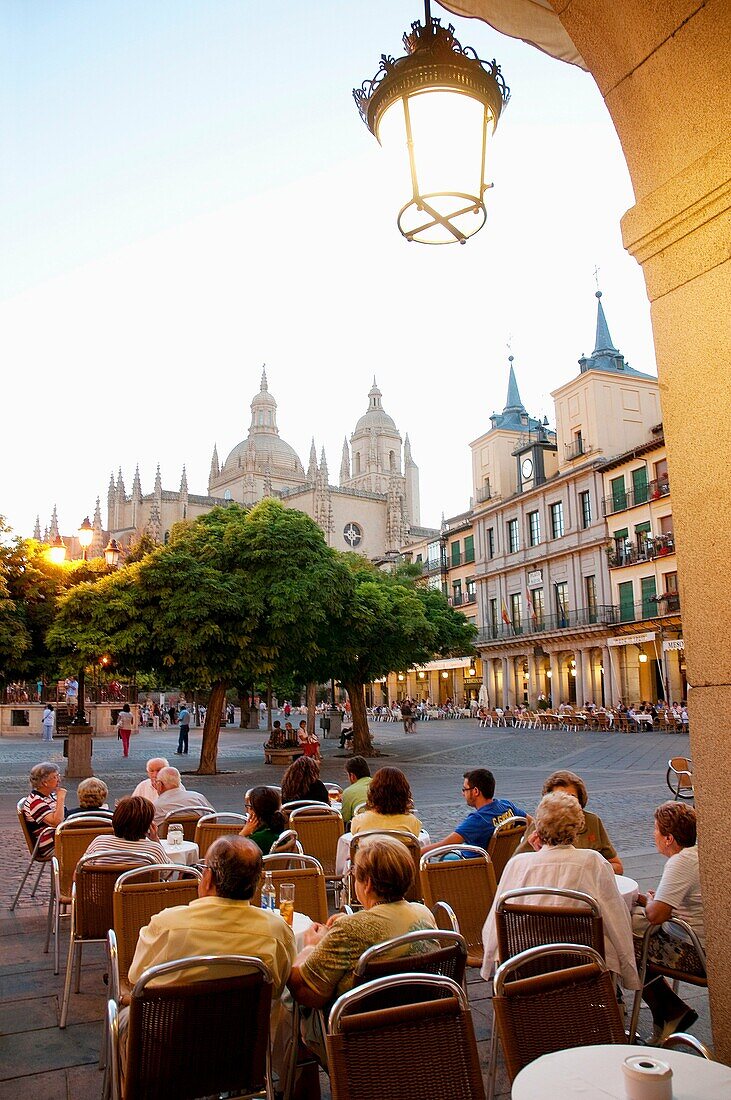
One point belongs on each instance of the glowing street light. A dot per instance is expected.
(57, 551)
(85, 536)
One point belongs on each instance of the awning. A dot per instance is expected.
(447, 663)
(632, 639)
(532, 21)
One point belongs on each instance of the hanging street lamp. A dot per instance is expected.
(438, 106)
(57, 550)
(112, 553)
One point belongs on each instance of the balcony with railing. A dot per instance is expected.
(630, 498)
(577, 448)
(653, 607)
(484, 493)
(432, 566)
(461, 599)
(625, 552)
(601, 615)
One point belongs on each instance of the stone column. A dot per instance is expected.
(556, 684)
(587, 676)
(579, 677)
(505, 698)
(534, 689)
(492, 687)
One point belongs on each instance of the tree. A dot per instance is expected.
(234, 597)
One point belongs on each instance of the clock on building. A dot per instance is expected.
(526, 468)
(352, 534)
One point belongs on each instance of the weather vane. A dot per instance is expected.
(596, 277)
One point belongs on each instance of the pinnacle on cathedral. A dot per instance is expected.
(53, 529)
(136, 484)
(312, 465)
(37, 529)
(215, 470)
(345, 463)
(184, 484)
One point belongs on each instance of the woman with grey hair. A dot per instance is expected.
(45, 806)
(92, 794)
(557, 863)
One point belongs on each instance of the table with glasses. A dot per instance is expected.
(300, 924)
(186, 854)
(342, 856)
(576, 1073)
(628, 888)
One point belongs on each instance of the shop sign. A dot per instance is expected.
(673, 643)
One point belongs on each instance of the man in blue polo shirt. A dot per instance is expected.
(478, 788)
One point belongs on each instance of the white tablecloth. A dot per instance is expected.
(186, 854)
(342, 856)
(628, 888)
(576, 1073)
(300, 925)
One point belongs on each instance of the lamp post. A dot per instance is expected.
(85, 536)
(438, 105)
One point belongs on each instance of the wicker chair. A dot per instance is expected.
(211, 826)
(503, 842)
(689, 1044)
(466, 884)
(286, 842)
(415, 892)
(71, 840)
(438, 952)
(554, 1009)
(170, 1025)
(310, 894)
(679, 778)
(676, 976)
(187, 816)
(423, 1048)
(43, 861)
(91, 912)
(318, 829)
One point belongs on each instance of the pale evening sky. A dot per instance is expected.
(187, 191)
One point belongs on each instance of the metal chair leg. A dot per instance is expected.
(49, 922)
(20, 888)
(80, 947)
(492, 1060)
(67, 983)
(38, 879)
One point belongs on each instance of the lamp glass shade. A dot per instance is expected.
(112, 553)
(85, 534)
(57, 551)
(642, 658)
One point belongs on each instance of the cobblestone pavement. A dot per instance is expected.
(625, 775)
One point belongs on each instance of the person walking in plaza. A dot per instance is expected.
(125, 722)
(407, 715)
(184, 720)
(48, 721)
(72, 693)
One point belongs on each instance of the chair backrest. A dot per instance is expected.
(566, 916)
(211, 826)
(187, 816)
(679, 1040)
(506, 838)
(24, 824)
(554, 1009)
(335, 791)
(139, 894)
(431, 951)
(318, 830)
(305, 872)
(302, 803)
(72, 838)
(225, 1014)
(680, 777)
(415, 891)
(428, 1040)
(92, 893)
(286, 842)
(467, 884)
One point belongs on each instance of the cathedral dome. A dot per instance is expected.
(264, 442)
(376, 417)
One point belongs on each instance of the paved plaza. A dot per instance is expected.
(625, 775)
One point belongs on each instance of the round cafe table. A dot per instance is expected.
(300, 925)
(186, 854)
(628, 888)
(582, 1073)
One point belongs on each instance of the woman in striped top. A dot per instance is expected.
(134, 833)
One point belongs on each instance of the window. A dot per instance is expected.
(491, 542)
(557, 520)
(227, 495)
(578, 443)
(661, 475)
(419, 559)
(516, 612)
(536, 599)
(469, 548)
(619, 495)
(639, 485)
(471, 590)
(585, 508)
(666, 525)
(434, 557)
(357, 462)
(642, 536)
(649, 597)
(454, 548)
(456, 593)
(534, 528)
(561, 596)
(671, 583)
(590, 587)
(626, 602)
(493, 618)
(513, 536)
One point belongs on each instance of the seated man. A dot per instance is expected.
(477, 828)
(147, 789)
(45, 806)
(359, 778)
(172, 795)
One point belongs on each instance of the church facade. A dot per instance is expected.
(373, 509)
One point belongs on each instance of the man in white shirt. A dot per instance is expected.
(147, 789)
(172, 795)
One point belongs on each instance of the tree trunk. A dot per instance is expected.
(311, 704)
(211, 730)
(243, 708)
(362, 742)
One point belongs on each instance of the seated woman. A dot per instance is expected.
(557, 863)
(301, 781)
(593, 835)
(388, 804)
(45, 806)
(309, 742)
(134, 833)
(92, 794)
(677, 895)
(324, 968)
(266, 820)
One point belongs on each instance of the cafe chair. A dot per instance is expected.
(552, 1009)
(194, 1035)
(211, 826)
(504, 841)
(286, 842)
(679, 778)
(679, 1040)
(306, 873)
(426, 951)
(335, 791)
(423, 1047)
(676, 976)
(92, 911)
(319, 828)
(187, 816)
(72, 837)
(43, 861)
(461, 876)
(415, 892)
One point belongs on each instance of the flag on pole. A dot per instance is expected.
(506, 618)
(531, 609)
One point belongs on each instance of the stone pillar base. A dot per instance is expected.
(78, 750)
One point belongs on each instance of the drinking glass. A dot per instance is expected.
(286, 902)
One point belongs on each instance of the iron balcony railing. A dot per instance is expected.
(576, 449)
(601, 615)
(484, 494)
(623, 499)
(653, 607)
(463, 598)
(625, 552)
(429, 568)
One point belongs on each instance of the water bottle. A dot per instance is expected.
(268, 893)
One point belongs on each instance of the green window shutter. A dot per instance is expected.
(626, 602)
(639, 484)
(469, 548)
(619, 495)
(641, 528)
(649, 591)
(455, 553)
(623, 534)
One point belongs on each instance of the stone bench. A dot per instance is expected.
(280, 754)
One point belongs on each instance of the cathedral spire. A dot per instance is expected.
(121, 491)
(374, 396)
(37, 529)
(158, 483)
(312, 465)
(345, 464)
(53, 530)
(95, 550)
(603, 340)
(184, 484)
(136, 484)
(513, 403)
(323, 468)
(215, 468)
(408, 458)
(263, 385)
